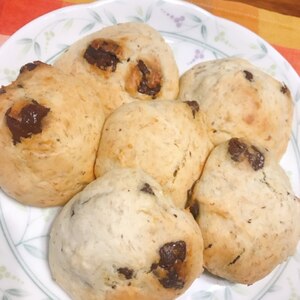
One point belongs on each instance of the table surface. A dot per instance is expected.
(288, 7)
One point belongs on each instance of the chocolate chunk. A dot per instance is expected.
(194, 106)
(154, 266)
(30, 66)
(192, 204)
(27, 122)
(72, 212)
(128, 273)
(171, 252)
(255, 158)
(284, 89)
(147, 189)
(143, 68)
(172, 256)
(172, 280)
(235, 260)
(175, 172)
(209, 246)
(150, 83)
(239, 150)
(103, 54)
(248, 75)
(194, 209)
(236, 149)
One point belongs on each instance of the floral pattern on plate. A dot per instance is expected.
(195, 36)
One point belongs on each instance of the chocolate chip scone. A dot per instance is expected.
(123, 63)
(121, 238)
(50, 127)
(248, 213)
(167, 139)
(240, 101)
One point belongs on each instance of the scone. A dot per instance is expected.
(121, 238)
(240, 101)
(167, 139)
(50, 126)
(248, 214)
(124, 62)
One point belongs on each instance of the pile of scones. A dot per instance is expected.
(159, 176)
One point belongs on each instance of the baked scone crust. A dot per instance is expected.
(121, 238)
(249, 216)
(48, 167)
(242, 101)
(131, 57)
(167, 139)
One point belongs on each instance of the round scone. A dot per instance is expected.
(167, 139)
(50, 126)
(121, 238)
(240, 101)
(124, 62)
(248, 214)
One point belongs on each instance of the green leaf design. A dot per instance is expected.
(228, 294)
(263, 47)
(139, 11)
(215, 54)
(87, 28)
(110, 17)
(26, 48)
(274, 288)
(136, 19)
(16, 292)
(34, 251)
(160, 3)
(63, 46)
(204, 31)
(25, 41)
(297, 254)
(95, 16)
(148, 13)
(220, 36)
(37, 49)
(258, 56)
(202, 295)
(195, 18)
(68, 24)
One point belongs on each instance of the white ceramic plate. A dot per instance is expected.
(195, 36)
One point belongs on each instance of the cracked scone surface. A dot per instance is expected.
(249, 216)
(124, 63)
(242, 101)
(167, 139)
(49, 132)
(121, 238)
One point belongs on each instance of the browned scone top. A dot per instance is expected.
(123, 63)
(50, 126)
(240, 100)
(247, 212)
(122, 238)
(167, 139)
